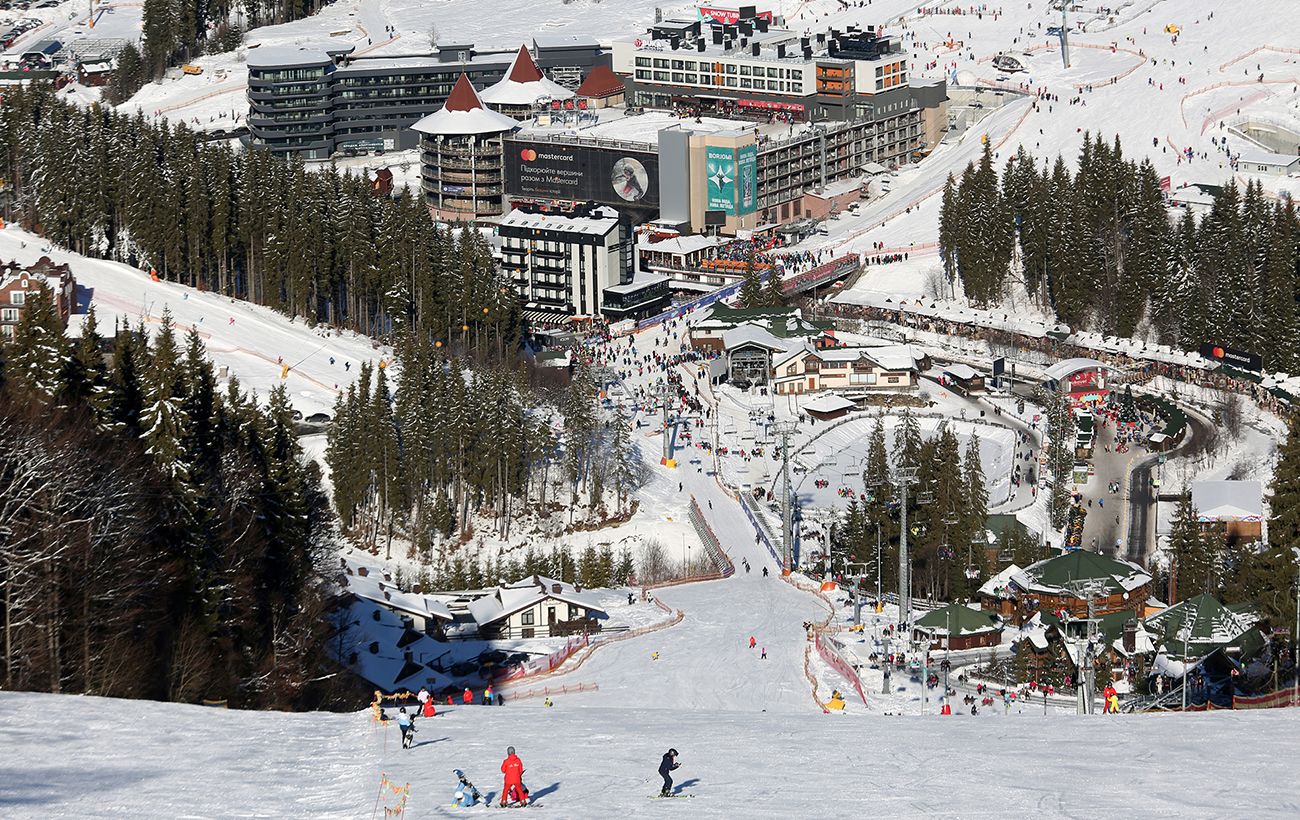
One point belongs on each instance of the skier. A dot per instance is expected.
(752, 642)
(466, 794)
(487, 695)
(513, 768)
(407, 727)
(763, 655)
(764, 572)
(468, 697)
(665, 766)
(429, 710)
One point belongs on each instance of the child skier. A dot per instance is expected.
(666, 765)
(407, 727)
(466, 794)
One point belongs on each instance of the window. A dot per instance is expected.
(17, 297)
(678, 65)
(660, 63)
(527, 618)
(731, 69)
(9, 315)
(643, 62)
(772, 72)
(731, 82)
(573, 612)
(744, 71)
(678, 77)
(642, 75)
(759, 84)
(662, 76)
(745, 82)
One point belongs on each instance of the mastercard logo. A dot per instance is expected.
(528, 155)
(1218, 352)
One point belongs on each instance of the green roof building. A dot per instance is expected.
(959, 627)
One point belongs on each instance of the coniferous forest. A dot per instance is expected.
(316, 244)
(159, 537)
(1097, 249)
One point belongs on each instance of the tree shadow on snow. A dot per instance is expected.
(677, 789)
(551, 789)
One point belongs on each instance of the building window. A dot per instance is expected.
(642, 75)
(573, 612)
(660, 63)
(9, 315)
(773, 72)
(643, 61)
(527, 618)
(17, 297)
(678, 77)
(678, 65)
(744, 71)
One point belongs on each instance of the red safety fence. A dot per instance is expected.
(542, 666)
(835, 661)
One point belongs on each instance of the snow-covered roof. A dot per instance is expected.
(1259, 156)
(1061, 574)
(508, 599)
(463, 114)
(524, 84)
(372, 587)
(960, 371)
(753, 334)
(1067, 367)
(601, 222)
(1203, 621)
(829, 403)
(996, 587)
(949, 311)
(1228, 500)
(679, 245)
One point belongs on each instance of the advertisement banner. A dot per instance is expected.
(720, 165)
(1084, 379)
(747, 169)
(728, 15)
(580, 173)
(1237, 358)
(767, 105)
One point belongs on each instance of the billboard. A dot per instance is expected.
(747, 174)
(727, 13)
(1237, 358)
(720, 167)
(581, 173)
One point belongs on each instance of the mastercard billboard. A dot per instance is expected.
(565, 172)
(1240, 359)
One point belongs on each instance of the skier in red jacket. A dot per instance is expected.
(513, 768)
(468, 697)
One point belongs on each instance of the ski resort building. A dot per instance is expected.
(524, 89)
(957, 627)
(1066, 582)
(18, 283)
(577, 264)
(460, 157)
(807, 369)
(536, 607)
(317, 101)
(1233, 509)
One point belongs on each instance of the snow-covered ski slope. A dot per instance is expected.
(254, 347)
(93, 757)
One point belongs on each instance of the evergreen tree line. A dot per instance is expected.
(1098, 249)
(313, 244)
(592, 568)
(454, 445)
(159, 537)
(947, 512)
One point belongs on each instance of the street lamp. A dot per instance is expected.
(1295, 636)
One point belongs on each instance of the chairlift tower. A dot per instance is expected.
(665, 396)
(907, 478)
(1085, 685)
(786, 429)
(1065, 36)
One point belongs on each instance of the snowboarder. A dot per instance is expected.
(466, 794)
(513, 768)
(407, 727)
(763, 655)
(665, 766)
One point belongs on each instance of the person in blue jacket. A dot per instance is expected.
(668, 763)
(407, 726)
(466, 794)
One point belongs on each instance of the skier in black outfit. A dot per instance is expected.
(667, 765)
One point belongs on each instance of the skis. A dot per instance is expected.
(665, 796)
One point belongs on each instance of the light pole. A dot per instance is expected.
(878, 570)
(1295, 636)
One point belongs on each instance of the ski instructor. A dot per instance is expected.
(667, 765)
(514, 791)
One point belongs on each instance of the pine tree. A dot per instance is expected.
(751, 287)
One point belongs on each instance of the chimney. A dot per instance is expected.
(717, 36)
(756, 49)
(700, 46)
(387, 577)
(762, 24)
(406, 656)
(780, 50)
(362, 571)
(388, 596)
(557, 588)
(374, 647)
(374, 614)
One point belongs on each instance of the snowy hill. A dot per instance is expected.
(94, 757)
(250, 342)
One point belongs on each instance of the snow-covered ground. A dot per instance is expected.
(93, 757)
(250, 342)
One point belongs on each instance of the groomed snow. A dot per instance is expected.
(93, 757)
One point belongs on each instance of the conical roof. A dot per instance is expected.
(464, 114)
(524, 84)
(601, 82)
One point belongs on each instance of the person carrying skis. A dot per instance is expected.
(665, 766)
(407, 727)
(513, 768)
(466, 794)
